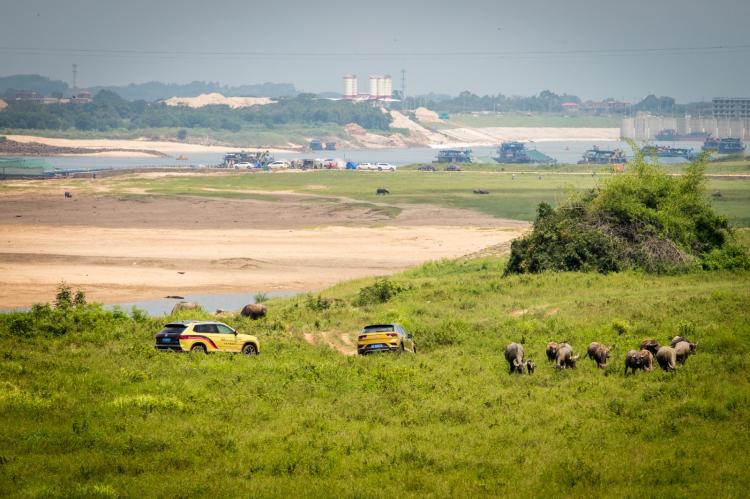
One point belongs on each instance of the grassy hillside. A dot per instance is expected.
(515, 198)
(91, 410)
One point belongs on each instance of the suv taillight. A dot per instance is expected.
(392, 335)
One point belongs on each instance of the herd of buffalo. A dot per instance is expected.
(561, 354)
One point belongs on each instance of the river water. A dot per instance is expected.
(563, 151)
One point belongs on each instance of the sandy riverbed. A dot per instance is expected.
(121, 249)
(165, 147)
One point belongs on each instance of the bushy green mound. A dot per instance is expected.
(644, 219)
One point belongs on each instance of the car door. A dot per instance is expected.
(229, 338)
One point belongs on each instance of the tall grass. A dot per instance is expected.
(92, 410)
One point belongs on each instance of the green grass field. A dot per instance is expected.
(89, 409)
(509, 198)
(94, 411)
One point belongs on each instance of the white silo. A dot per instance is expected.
(381, 87)
(373, 87)
(387, 87)
(350, 86)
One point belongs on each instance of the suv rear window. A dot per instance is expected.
(382, 328)
(173, 328)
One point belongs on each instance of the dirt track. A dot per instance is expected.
(120, 249)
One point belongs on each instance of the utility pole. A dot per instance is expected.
(403, 89)
(75, 75)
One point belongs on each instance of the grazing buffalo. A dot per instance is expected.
(565, 358)
(254, 311)
(514, 356)
(599, 353)
(552, 349)
(530, 366)
(480, 191)
(642, 359)
(667, 358)
(68, 194)
(646, 359)
(650, 345)
(382, 191)
(185, 305)
(682, 350)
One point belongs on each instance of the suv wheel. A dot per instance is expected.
(198, 348)
(249, 349)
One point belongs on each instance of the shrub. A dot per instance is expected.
(379, 292)
(317, 303)
(644, 219)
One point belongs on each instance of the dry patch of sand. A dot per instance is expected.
(215, 98)
(137, 145)
(133, 247)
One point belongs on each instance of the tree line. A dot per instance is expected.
(110, 111)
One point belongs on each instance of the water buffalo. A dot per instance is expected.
(682, 350)
(68, 194)
(650, 345)
(382, 191)
(514, 356)
(480, 191)
(254, 311)
(565, 358)
(646, 359)
(552, 349)
(185, 305)
(530, 366)
(632, 361)
(599, 353)
(666, 357)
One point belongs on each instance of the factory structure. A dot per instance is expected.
(380, 88)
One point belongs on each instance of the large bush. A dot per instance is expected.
(644, 219)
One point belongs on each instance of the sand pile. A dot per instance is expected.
(215, 98)
(427, 116)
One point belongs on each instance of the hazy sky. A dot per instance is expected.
(624, 49)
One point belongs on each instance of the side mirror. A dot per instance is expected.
(235, 332)
(408, 335)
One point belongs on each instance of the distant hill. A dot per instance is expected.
(150, 91)
(37, 83)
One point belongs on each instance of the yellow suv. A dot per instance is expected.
(384, 338)
(204, 337)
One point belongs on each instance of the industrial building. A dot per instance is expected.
(380, 88)
(645, 127)
(731, 107)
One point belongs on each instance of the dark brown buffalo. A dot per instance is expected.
(254, 311)
(651, 345)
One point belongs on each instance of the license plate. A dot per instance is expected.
(166, 340)
(377, 347)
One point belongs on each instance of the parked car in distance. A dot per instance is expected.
(385, 166)
(278, 165)
(204, 337)
(427, 168)
(367, 166)
(244, 164)
(384, 338)
(453, 168)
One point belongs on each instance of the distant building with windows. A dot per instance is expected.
(731, 107)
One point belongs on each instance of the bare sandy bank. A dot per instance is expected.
(120, 248)
(137, 146)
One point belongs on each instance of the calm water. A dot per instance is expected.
(563, 151)
(210, 303)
